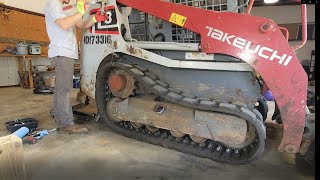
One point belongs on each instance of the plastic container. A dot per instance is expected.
(22, 48)
(76, 82)
(50, 81)
(34, 49)
(30, 123)
(21, 132)
(41, 68)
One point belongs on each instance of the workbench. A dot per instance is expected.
(23, 60)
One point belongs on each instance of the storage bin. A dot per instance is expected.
(30, 123)
(22, 48)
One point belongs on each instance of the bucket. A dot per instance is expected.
(22, 48)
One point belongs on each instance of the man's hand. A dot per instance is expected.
(100, 17)
(81, 6)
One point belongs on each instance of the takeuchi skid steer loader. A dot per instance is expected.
(202, 97)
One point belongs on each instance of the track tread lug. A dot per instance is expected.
(151, 75)
(247, 113)
(123, 65)
(241, 104)
(136, 72)
(163, 84)
(160, 89)
(189, 101)
(148, 81)
(207, 105)
(190, 96)
(175, 91)
(173, 97)
(142, 69)
(227, 108)
(258, 114)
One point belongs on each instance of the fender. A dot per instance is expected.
(272, 56)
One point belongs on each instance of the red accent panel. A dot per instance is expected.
(105, 32)
(93, 11)
(287, 83)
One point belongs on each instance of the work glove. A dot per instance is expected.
(98, 17)
(81, 6)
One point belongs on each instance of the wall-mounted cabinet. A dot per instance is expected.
(9, 71)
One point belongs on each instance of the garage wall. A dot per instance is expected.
(8, 65)
(9, 71)
(31, 5)
(286, 15)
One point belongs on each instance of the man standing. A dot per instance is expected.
(63, 51)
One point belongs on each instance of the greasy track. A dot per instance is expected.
(209, 149)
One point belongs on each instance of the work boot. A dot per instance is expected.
(74, 129)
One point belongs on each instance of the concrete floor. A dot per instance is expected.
(103, 154)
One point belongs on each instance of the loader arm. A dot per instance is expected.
(255, 40)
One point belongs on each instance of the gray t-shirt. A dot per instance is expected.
(63, 42)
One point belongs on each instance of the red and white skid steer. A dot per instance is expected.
(200, 97)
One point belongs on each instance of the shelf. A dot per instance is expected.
(22, 55)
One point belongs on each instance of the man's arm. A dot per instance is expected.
(98, 17)
(85, 24)
(70, 21)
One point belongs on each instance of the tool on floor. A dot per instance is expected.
(21, 132)
(42, 133)
(29, 140)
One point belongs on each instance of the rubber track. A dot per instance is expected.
(209, 149)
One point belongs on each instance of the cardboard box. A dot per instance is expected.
(49, 81)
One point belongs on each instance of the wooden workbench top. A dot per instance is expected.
(22, 55)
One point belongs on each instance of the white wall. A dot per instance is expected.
(286, 15)
(31, 5)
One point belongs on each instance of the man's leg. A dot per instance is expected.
(54, 62)
(64, 83)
